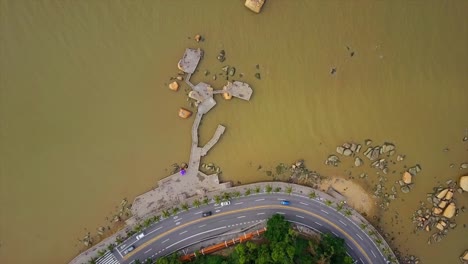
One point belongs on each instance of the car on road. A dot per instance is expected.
(225, 203)
(140, 236)
(129, 249)
(205, 214)
(285, 202)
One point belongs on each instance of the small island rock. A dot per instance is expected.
(174, 86)
(254, 5)
(184, 113)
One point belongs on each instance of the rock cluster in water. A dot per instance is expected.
(381, 158)
(439, 215)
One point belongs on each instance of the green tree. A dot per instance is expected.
(339, 206)
(206, 201)
(226, 196)
(236, 194)
(257, 189)
(289, 190)
(166, 213)
(156, 218)
(348, 212)
(268, 188)
(175, 210)
(148, 222)
(248, 192)
(111, 247)
(328, 202)
(217, 199)
(312, 195)
(137, 261)
(196, 203)
(277, 189)
(277, 228)
(185, 206)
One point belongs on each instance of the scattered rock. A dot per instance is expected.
(232, 71)
(407, 177)
(174, 86)
(437, 211)
(257, 75)
(465, 138)
(405, 189)
(347, 152)
(464, 166)
(449, 212)
(332, 160)
(387, 147)
(221, 56)
(340, 150)
(198, 38)
(368, 142)
(180, 78)
(442, 193)
(464, 183)
(400, 157)
(357, 162)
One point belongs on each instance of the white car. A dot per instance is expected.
(140, 236)
(225, 203)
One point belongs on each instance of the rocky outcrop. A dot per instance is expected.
(464, 183)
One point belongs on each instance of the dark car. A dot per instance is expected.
(205, 214)
(285, 202)
(129, 249)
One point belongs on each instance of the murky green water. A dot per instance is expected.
(87, 119)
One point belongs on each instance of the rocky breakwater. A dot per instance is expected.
(440, 215)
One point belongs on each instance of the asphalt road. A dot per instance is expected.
(188, 228)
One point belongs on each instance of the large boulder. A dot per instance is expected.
(254, 5)
(442, 193)
(449, 212)
(464, 183)
(174, 86)
(407, 177)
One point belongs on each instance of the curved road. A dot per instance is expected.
(188, 228)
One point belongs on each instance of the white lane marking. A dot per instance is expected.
(350, 247)
(178, 219)
(359, 237)
(334, 233)
(183, 232)
(241, 216)
(300, 216)
(154, 230)
(318, 223)
(165, 241)
(175, 217)
(239, 203)
(343, 223)
(260, 213)
(279, 212)
(324, 211)
(258, 200)
(280, 199)
(148, 250)
(217, 211)
(303, 203)
(202, 226)
(180, 241)
(361, 260)
(373, 253)
(198, 213)
(178, 223)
